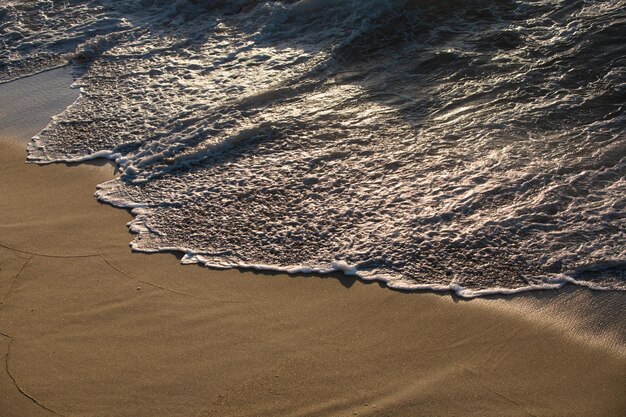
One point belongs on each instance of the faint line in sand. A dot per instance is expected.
(19, 388)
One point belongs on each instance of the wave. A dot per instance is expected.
(474, 147)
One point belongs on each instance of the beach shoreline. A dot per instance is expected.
(89, 328)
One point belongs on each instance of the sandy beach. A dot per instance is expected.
(88, 328)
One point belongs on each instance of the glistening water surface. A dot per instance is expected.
(473, 146)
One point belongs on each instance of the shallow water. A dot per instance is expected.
(476, 147)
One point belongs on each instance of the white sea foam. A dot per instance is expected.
(475, 148)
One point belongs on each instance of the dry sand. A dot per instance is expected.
(91, 329)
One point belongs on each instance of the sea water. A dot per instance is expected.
(472, 146)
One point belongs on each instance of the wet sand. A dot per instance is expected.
(91, 329)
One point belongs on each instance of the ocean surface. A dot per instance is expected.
(469, 146)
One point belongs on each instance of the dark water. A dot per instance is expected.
(472, 146)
